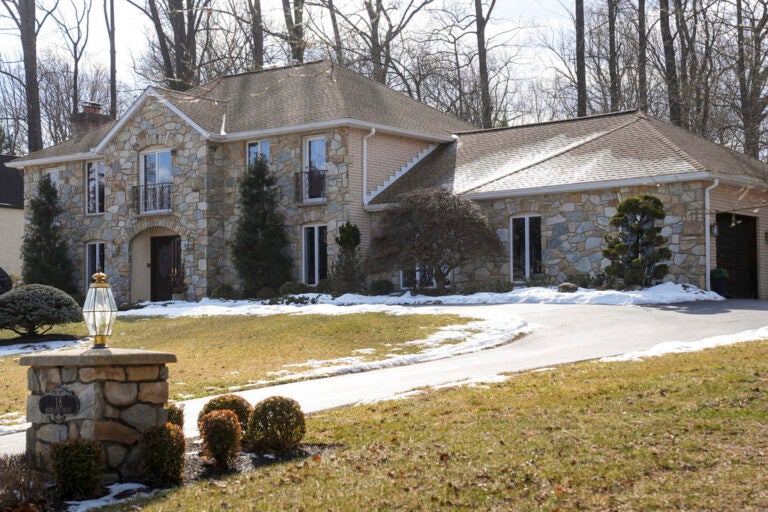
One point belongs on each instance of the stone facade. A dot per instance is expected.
(121, 394)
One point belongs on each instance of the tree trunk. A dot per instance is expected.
(642, 58)
(685, 78)
(257, 33)
(670, 66)
(613, 57)
(482, 56)
(337, 46)
(581, 67)
(109, 16)
(294, 25)
(746, 104)
(32, 90)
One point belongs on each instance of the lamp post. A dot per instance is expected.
(99, 310)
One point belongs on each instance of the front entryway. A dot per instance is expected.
(165, 255)
(737, 253)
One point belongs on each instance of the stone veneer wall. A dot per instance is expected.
(121, 394)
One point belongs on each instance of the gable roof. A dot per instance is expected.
(11, 185)
(278, 100)
(628, 147)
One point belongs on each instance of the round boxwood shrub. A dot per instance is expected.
(175, 414)
(293, 288)
(382, 287)
(77, 468)
(34, 309)
(221, 435)
(228, 402)
(276, 425)
(162, 448)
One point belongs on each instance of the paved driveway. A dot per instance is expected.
(564, 333)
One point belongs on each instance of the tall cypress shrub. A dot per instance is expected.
(44, 250)
(260, 238)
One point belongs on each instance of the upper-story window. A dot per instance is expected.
(156, 179)
(312, 179)
(256, 148)
(94, 179)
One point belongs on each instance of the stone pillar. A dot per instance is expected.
(120, 394)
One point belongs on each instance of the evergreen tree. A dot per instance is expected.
(346, 272)
(260, 238)
(638, 248)
(44, 250)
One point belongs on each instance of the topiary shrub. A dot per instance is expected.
(77, 468)
(175, 414)
(34, 309)
(382, 287)
(162, 448)
(292, 288)
(228, 402)
(276, 425)
(221, 433)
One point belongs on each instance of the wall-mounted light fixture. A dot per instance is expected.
(714, 230)
(189, 243)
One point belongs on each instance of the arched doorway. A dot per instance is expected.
(155, 263)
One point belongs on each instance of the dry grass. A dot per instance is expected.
(683, 432)
(216, 353)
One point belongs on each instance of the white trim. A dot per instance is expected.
(55, 160)
(594, 185)
(707, 237)
(249, 143)
(527, 248)
(149, 91)
(142, 177)
(101, 251)
(87, 190)
(305, 142)
(365, 166)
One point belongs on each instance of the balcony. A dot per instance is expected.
(152, 198)
(309, 186)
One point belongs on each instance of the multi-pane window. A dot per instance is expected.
(313, 177)
(526, 247)
(94, 176)
(256, 148)
(315, 254)
(418, 277)
(94, 260)
(156, 178)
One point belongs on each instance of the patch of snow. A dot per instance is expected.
(118, 493)
(13, 428)
(364, 351)
(678, 347)
(25, 348)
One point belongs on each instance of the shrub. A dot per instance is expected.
(325, 286)
(77, 468)
(224, 291)
(229, 402)
(35, 308)
(346, 270)
(292, 288)
(266, 293)
(162, 448)
(276, 424)
(588, 280)
(221, 433)
(175, 414)
(382, 287)
(20, 483)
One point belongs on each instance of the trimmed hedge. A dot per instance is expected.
(221, 435)
(230, 402)
(163, 449)
(33, 309)
(77, 468)
(276, 425)
(175, 414)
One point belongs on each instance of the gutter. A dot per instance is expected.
(707, 236)
(365, 165)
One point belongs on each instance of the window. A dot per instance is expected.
(526, 247)
(315, 254)
(418, 277)
(313, 177)
(94, 261)
(256, 148)
(155, 188)
(94, 175)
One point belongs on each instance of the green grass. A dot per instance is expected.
(215, 353)
(682, 432)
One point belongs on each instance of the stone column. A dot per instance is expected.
(120, 394)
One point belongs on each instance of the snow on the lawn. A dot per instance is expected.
(24, 348)
(679, 347)
(117, 493)
(666, 293)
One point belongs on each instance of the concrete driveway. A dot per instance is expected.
(563, 334)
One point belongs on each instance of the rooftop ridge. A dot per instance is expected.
(554, 121)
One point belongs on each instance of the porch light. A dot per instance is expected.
(99, 310)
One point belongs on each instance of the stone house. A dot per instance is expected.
(11, 220)
(154, 195)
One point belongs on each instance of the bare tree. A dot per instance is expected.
(642, 58)
(670, 66)
(481, 20)
(613, 56)
(75, 33)
(24, 16)
(294, 25)
(109, 20)
(581, 73)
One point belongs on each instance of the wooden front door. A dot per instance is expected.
(737, 253)
(165, 256)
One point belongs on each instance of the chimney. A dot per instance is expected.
(88, 118)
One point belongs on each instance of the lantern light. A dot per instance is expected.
(99, 310)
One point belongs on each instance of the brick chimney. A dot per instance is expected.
(89, 118)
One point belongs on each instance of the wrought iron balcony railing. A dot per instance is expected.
(152, 198)
(309, 186)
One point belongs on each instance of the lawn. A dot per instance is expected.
(219, 352)
(680, 432)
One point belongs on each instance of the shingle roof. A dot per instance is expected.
(72, 146)
(580, 151)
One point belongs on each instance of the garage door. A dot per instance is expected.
(737, 253)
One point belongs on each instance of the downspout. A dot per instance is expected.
(707, 231)
(365, 165)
